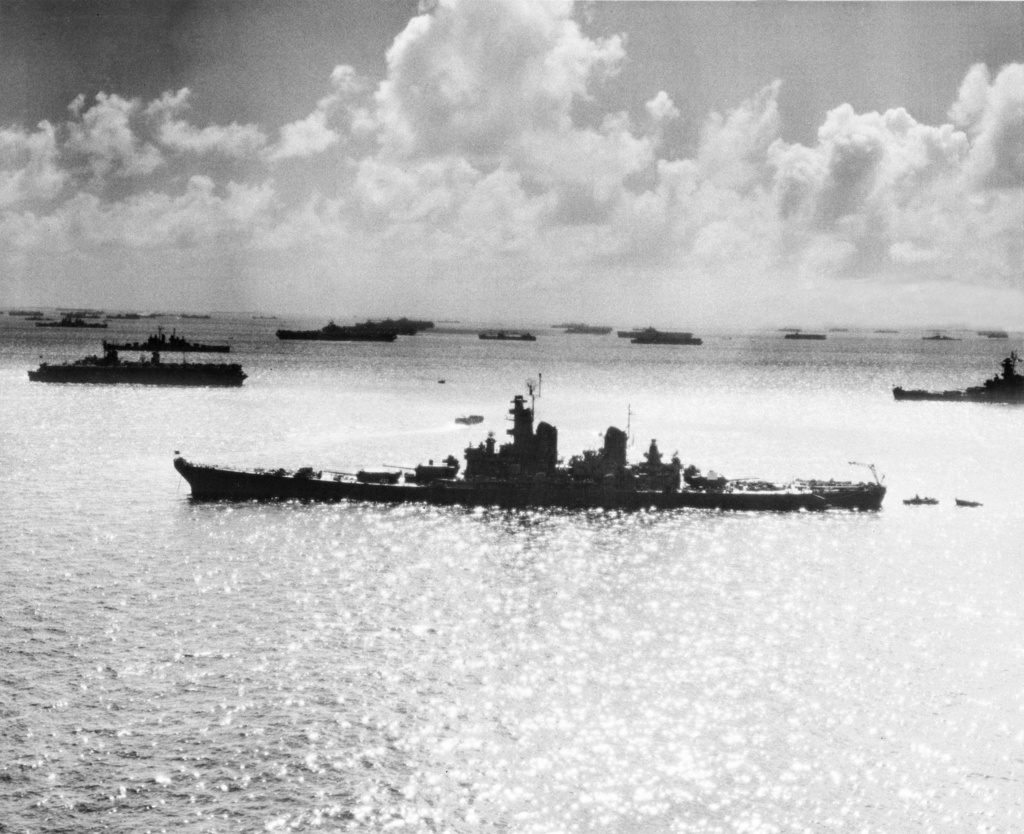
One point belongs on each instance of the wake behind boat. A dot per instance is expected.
(526, 473)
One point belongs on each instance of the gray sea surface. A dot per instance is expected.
(188, 667)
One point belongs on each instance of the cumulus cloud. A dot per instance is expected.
(324, 127)
(29, 167)
(661, 108)
(993, 112)
(176, 134)
(472, 78)
(471, 151)
(734, 147)
(102, 138)
(152, 220)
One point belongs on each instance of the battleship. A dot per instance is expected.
(1007, 387)
(161, 342)
(799, 335)
(71, 321)
(526, 473)
(110, 369)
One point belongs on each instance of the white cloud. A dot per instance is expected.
(466, 162)
(472, 78)
(305, 137)
(178, 135)
(325, 126)
(29, 165)
(997, 152)
(734, 147)
(102, 139)
(661, 108)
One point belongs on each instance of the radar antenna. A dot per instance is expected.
(533, 388)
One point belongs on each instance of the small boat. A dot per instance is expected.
(815, 336)
(918, 500)
(960, 502)
(470, 420)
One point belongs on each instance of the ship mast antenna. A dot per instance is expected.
(533, 388)
(629, 421)
(870, 466)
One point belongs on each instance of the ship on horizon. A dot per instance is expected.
(1007, 388)
(110, 369)
(161, 342)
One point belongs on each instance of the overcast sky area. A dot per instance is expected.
(697, 165)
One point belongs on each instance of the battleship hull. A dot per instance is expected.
(1008, 395)
(142, 374)
(862, 497)
(212, 483)
(157, 346)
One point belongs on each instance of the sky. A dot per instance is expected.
(684, 164)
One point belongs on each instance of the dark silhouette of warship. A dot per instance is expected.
(71, 321)
(161, 342)
(332, 332)
(526, 473)
(383, 330)
(650, 336)
(110, 369)
(1007, 387)
(507, 336)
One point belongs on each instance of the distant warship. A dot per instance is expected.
(507, 336)
(161, 342)
(1007, 387)
(71, 321)
(332, 332)
(110, 369)
(383, 330)
(650, 336)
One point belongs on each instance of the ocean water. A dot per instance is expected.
(184, 667)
